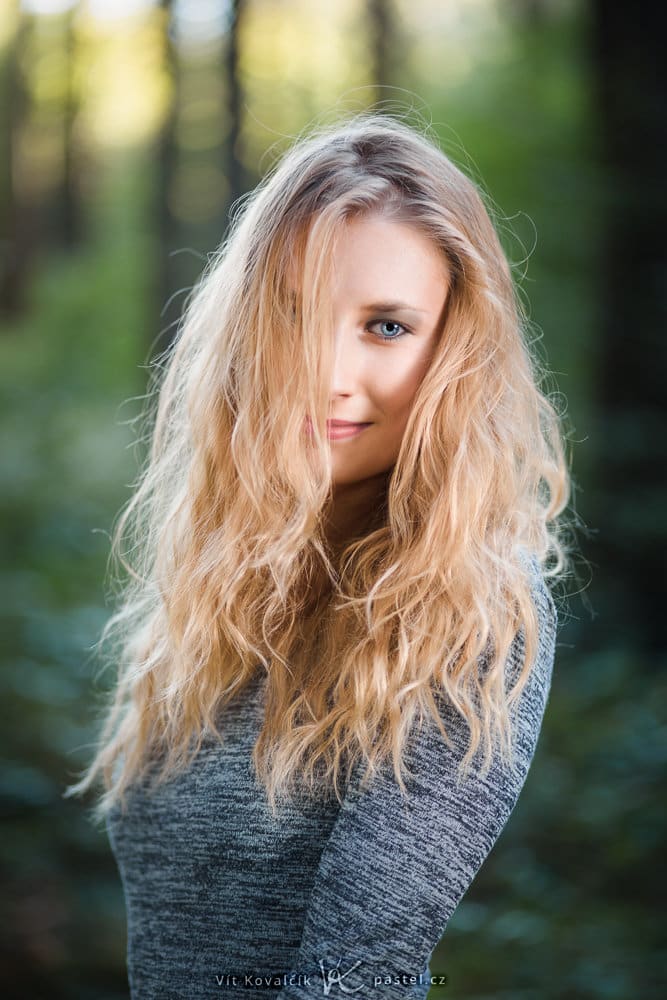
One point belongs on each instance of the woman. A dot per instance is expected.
(337, 641)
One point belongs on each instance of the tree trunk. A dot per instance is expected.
(380, 24)
(232, 165)
(15, 225)
(631, 493)
(168, 310)
(70, 216)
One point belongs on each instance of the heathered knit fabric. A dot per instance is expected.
(328, 898)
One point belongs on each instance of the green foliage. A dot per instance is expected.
(70, 369)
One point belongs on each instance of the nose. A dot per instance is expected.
(348, 360)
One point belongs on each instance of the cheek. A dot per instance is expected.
(395, 389)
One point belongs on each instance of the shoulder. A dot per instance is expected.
(525, 713)
(547, 628)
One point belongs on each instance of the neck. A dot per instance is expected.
(353, 509)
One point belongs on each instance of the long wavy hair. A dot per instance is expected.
(229, 574)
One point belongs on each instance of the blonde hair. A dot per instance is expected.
(230, 573)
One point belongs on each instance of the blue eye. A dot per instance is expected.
(392, 334)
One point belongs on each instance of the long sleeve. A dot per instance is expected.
(393, 871)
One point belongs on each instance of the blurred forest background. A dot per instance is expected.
(127, 130)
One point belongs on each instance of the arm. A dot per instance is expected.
(394, 870)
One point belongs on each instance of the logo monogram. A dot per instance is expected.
(332, 976)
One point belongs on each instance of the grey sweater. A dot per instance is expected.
(223, 900)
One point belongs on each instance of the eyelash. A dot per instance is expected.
(389, 340)
(384, 340)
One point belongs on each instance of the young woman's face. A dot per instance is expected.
(389, 293)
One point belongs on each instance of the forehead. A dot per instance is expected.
(394, 258)
(383, 252)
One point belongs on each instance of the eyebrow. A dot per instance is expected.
(394, 306)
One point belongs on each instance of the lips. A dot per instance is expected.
(339, 430)
(341, 423)
(346, 423)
